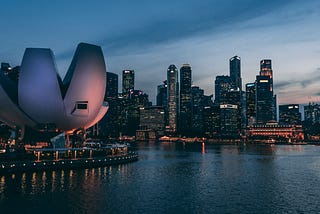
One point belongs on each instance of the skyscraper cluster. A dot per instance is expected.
(182, 109)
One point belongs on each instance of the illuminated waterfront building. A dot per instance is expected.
(127, 82)
(278, 133)
(312, 113)
(229, 99)
(312, 121)
(289, 114)
(130, 111)
(229, 120)
(152, 118)
(43, 102)
(173, 98)
(211, 120)
(185, 99)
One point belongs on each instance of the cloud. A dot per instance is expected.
(305, 82)
(311, 78)
(182, 21)
(280, 85)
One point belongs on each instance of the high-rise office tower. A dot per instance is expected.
(127, 82)
(312, 113)
(173, 97)
(131, 111)
(266, 70)
(153, 118)
(234, 97)
(197, 95)
(311, 122)
(111, 86)
(229, 120)
(162, 94)
(264, 100)
(250, 104)
(228, 98)
(211, 120)
(223, 85)
(289, 114)
(109, 124)
(235, 72)
(185, 99)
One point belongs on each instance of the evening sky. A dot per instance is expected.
(148, 36)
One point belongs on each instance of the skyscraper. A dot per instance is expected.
(251, 104)
(111, 86)
(109, 125)
(185, 99)
(162, 94)
(211, 120)
(312, 113)
(222, 87)
(196, 111)
(228, 98)
(173, 97)
(235, 72)
(152, 117)
(312, 120)
(266, 71)
(289, 114)
(131, 111)
(229, 120)
(264, 100)
(127, 82)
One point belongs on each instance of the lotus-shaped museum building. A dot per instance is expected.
(41, 100)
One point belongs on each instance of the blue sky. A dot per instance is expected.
(148, 36)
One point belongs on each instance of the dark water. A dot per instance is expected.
(173, 178)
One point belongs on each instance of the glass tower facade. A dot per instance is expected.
(109, 124)
(162, 94)
(127, 82)
(266, 71)
(251, 104)
(173, 98)
(235, 72)
(223, 85)
(289, 114)
(264, 100)
(185, 99)
(197, 109)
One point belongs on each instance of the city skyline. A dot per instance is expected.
(149, 36)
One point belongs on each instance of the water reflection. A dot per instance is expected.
(173, 178)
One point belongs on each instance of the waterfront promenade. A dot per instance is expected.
(12, 166)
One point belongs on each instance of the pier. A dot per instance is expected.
(42, 165)
(36, 159)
